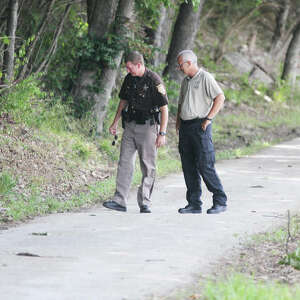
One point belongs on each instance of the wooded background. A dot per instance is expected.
(76, 47)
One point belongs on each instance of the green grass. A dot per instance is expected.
(244, 151)
(239, 287)
(7, 183)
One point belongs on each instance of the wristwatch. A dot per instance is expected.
(162, 133)
(207, 118)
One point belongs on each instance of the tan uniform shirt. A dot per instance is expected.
(197, 95)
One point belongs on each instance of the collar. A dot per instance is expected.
(196, 75)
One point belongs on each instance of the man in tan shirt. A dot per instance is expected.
(199, 102)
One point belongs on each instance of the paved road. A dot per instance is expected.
(105, 255)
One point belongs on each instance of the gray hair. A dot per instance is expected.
(135, 57)
(188, 55)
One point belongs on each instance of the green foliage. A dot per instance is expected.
(19, 99)
(7, 183)
(149, 11)
(111, 151)
(81, 150)
(282, 92)
(292, 259)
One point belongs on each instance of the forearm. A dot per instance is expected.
(122, 105)
(217, 105)
(164, 118)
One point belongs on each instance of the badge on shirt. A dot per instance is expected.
(161, 89)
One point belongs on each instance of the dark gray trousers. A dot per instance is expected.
(198, 160)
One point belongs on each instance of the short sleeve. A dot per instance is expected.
(211, 86)
(159, 91)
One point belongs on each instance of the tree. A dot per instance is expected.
(107, 31)
(100, 15)
(8, 61)
(281, 25)
(162, 33)
(185, 30)
(292, 57)
(109, 74)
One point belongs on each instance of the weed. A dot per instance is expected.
(292, 259)
(81, 150)
(7, 183)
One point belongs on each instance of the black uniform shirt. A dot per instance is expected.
(144, 93)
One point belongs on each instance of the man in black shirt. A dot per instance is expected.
(142, 95)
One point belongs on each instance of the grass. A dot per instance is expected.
(240, 287)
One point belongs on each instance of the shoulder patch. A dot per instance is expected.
(161, 89)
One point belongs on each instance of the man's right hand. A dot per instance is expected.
(113, 129)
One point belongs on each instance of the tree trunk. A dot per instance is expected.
(100, 17)
(292, 55)
(101, 14)
(8, 61)
(162, 34)
(281, 24)
(185, 30)
(108, 74)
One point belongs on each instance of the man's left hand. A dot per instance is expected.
(204, 124)
(160, 141)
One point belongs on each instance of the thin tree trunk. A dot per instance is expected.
(45, 63)
(185, 30)
(8, 61)
(292, 55)
(31, 49)
(108, 74)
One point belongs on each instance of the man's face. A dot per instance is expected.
(183, 65)
(132, 68)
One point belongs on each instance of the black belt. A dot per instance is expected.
(192, 121)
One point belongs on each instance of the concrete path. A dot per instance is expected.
(105, 255)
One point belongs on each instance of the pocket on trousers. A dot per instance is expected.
(206, 159)
(205, 141)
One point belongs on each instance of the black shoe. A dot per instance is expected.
(187, 206)
(114, 205)
(216, 209)
(189, 209)
(145, 209)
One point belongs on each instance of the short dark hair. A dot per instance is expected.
(135, 57)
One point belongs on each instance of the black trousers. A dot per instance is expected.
(198, 160)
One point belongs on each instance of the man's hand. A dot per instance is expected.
(113, 128)
(160, 141)
(204, 124)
